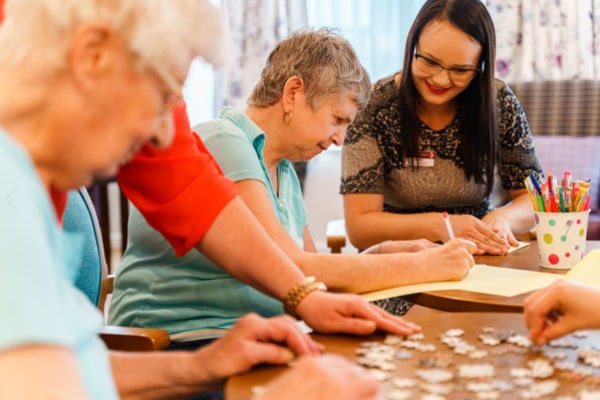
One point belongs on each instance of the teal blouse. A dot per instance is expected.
(155, 288)
(39, 303)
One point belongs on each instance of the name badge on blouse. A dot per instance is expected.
(426, 159)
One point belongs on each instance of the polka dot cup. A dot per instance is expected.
(561, 238)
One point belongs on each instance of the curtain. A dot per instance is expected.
(546, 39)
(255, 27)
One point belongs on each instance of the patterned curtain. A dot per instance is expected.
(255, 27)
(546, 39)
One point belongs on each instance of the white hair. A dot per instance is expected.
(36, 33)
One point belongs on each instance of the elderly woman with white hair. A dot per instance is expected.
(84, 85)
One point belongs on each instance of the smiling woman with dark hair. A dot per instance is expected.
(434, 136)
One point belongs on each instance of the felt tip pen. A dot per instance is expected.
(448, 225)
(536, 184)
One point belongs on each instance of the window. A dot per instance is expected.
(376, 28)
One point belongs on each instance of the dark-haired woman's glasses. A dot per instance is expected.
(431, 67)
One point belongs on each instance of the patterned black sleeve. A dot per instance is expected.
(517, 152)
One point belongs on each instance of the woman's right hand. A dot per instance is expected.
(325, 377)
(253, 340)
(561, 308)
(452, 261)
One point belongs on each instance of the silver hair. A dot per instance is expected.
(326, 63)
(36, 33)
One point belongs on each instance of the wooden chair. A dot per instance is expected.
(99, 194)
(336, 235)
(93, 279)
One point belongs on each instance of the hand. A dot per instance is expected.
(400, 246)
(254, 340)
(561, 308)
(486, 237)
(348, 313)
(498, 221)
(323, 378)
(453, 260)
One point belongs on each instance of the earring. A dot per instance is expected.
(287, 117)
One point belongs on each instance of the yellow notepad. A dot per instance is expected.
(587, 270)
(486, 279)
(499, 281)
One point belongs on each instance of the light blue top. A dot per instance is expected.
(155, 288)
(38, 301)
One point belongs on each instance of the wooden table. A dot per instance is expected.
(503, 357)
(459, 300)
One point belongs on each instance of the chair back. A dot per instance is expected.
(80, 218)
(91, 277)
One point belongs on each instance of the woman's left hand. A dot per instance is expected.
(499, 223)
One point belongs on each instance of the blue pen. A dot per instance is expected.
(536, 184)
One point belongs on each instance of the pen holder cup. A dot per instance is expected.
(561, 238)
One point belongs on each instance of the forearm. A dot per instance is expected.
(160, 375)
(30, 372)
(370, 228)
(518, 213)
(356, 273)
(238, 244)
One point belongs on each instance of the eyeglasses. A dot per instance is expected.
(174, 93)
(431, 67)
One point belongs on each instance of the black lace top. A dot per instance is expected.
(372, 158)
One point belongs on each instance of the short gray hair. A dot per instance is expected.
(36, 33)
(326, 63)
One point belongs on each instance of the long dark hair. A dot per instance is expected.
(476, 104)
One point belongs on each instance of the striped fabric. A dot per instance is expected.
(569, 107)
(564, 117)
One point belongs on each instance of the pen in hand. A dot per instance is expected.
(448, 225)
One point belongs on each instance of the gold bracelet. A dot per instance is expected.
(299, 292)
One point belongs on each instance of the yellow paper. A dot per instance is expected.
(498, 281)
(587, 270)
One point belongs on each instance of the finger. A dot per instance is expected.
(271, 353)
(355, 326)
(509, 238)
(486, 241)
(479, 252)
(468, 244)
(512, 239)
(496, 244)
(284, 329)
(364, 318)
(491, 249)
(535, 313)
(428, 244)
(494, 235)
(535, 325)
(393, 323)
(499, 241)
(557, 329)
